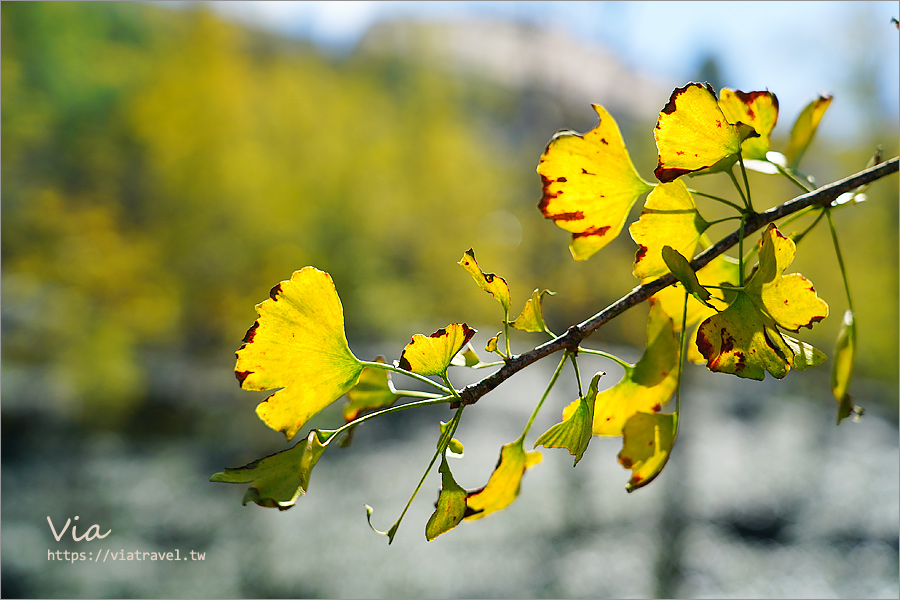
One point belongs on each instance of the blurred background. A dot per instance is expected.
(165, 164)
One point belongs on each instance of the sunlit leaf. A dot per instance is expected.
(278, 480)
(744, 341)
(805, 128)
(492, 344)
(467, 357)
(374, 390)
(451, 505)
(692, 133)
(646, 386)
(503, 486)
(722, 270)
(532, 317)
(298, 344)
(432, 355)
(842, 367)
(789, 299)
(454, 445)
(575, 431)
(682, 270)
(669, 217)
(805, 355)
(647, 442)
(489, 282)
(759, 110)
(589, 185)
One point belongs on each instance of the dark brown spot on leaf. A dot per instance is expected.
(248, 337)
(604, 142)
(273, 293)
(657, 408)
(592, 231)
(667, 175)
(640, 254)
(241, 376)
(561, 180)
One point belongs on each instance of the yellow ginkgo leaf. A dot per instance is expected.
(433, 354)
(791, 300)
(669, 218)
(503, 486)
(298, 344)
(489, 282)
(450, 507)
(646, 386)
(759, 110)
(805, 128)
(589, 185)
(647, 442)
(532, 317)
(575, 431)
(692, 134)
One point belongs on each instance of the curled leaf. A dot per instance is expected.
(693, 134)
(682, 270)
(670, 217)
(575, 431)
(432, 355)
(489, 282)
(451, 505)
(805, 128)
(467, 357)
(532, 317)
(278, 480)
(492, 344)
(842, 368)
(589, 185)
(298, 344)
(759, 110)
(646, 445)
(505, 482)
(374, 390)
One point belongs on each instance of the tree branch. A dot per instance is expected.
(577, 333)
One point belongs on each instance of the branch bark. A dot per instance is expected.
(577, 333)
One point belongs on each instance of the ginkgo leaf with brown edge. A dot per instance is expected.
(532, 317)
(759, 110)
(489, 282)
(692, 134)
(646, 386)
(791, 300)
(298, 344)
(647, 441)
(450, 507)
(805, 128)
(575, 431)
(589, 185)
(374, 390)
(669, 217)
(505, 482)
(278, 480)
(433, 354)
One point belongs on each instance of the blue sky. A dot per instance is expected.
(795, 49)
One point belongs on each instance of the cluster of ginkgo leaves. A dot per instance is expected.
(737, 311)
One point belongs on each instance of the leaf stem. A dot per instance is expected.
(611, 357)
(393, 409)
(737, 186)
(717, 199)
(393, 369)
(840, 257)
(577, 374)
(746, 184)
(806, 186)
(537, 408)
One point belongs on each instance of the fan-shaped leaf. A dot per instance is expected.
(298, 344)
(278, 480)
(432, 355)
(503, 486)
(589, 185)
(492, 284)
(451, 505)
(574, 432)
(692, 133)
(647, 442)
(805, 128)
(759, 110)
(532, 317)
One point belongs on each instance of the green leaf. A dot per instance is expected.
(532, 317)
(451, 505)
(298, 344)
(454, 446)
(669, 217)
(489, 282)
(589, 185)
(505, 482)
(842, 368)
(805, 128)
(278, 480)
(432, 355)
(805, 355)
(646, 445)
(646, 386)
(575, 431)
(467, 357)
(692, 134)
(682, 270)
(374, 390)
(759, 110)
(722, 270)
